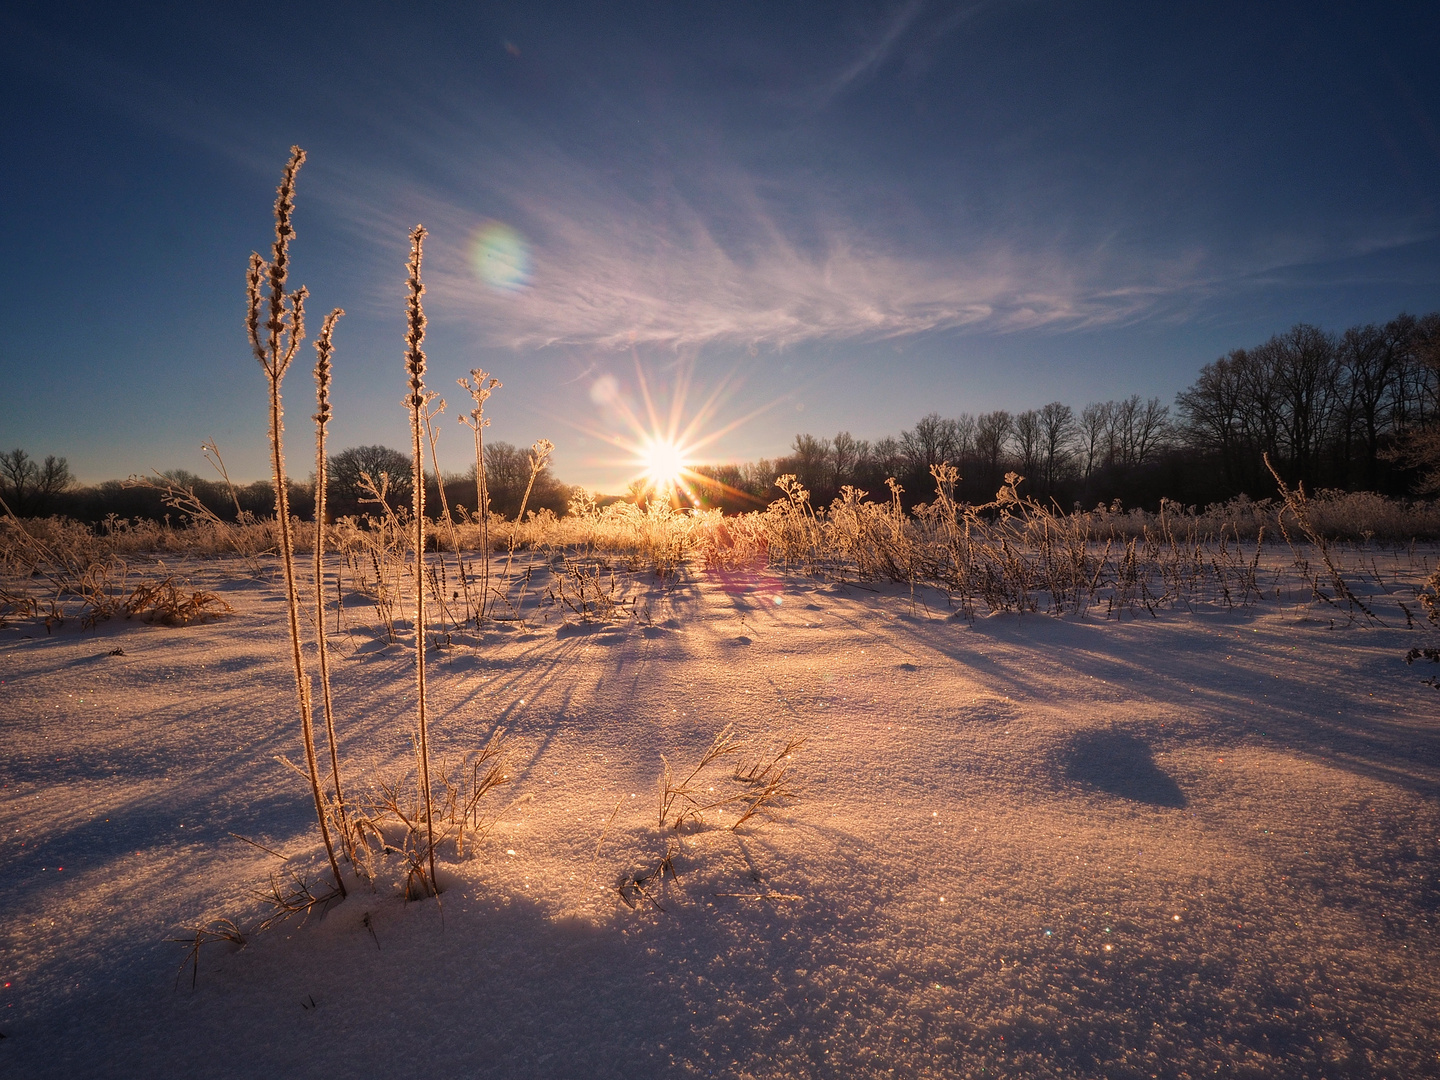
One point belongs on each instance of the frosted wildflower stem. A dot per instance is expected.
(324, 350)
(429, 415)
(539, 458)
(480, 390)
(275, 349)
(415, 402)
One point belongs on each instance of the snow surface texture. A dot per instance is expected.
(1203, 844)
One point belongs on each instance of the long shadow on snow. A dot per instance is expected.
(1120, 763)
(840, 982)
(1296, 713)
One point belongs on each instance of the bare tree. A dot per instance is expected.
(964, 442)
(933, 441)
(29, 487)
(1415, 415)
(1306, 379)
(846, 455)
(992, 438)
(1212, 415)
(810, 461)
(1057, 433)
(1149, 429)
(1368, 360)
(348, 468)
(1095, 428)
(887, 458)
(1029, 437)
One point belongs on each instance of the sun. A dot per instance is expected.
(664, 464)
(664, 452)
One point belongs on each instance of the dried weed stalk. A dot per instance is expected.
(1299, 507)
(480, 390)
(324, 350)
(275, 342)
(392, 824)
(415, 401)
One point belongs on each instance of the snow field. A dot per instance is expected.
(1204, 843)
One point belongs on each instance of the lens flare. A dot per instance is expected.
(605, 390)
(500, 257)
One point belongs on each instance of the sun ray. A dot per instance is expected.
(663, 435)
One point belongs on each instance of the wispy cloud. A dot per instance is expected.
(609, 271)
(907, 38)
(877, 51)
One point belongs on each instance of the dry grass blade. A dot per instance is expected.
(166, 602)
(199, 937)
(724, 744)
(760, 770)
(295, 897)
(773, 791)
(262, 847)
(639, 888)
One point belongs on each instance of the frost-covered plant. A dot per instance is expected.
(324, 350)
(416, 401)
(480, 391)
(275, 342)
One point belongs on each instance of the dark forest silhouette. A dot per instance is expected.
(1354, 411)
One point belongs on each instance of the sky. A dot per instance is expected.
(728, 223)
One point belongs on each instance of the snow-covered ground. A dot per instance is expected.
(1198, 845)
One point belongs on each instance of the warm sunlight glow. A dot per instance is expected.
(663, 434)
(664, 464)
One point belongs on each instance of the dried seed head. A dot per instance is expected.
(254, 274)
(480, 390)
(279, 324)
(295, 325)
(285, 326)
(415, 322)
(324, 349)
(284, 209)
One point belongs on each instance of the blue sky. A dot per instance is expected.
(769, 217)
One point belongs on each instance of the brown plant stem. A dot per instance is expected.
(480, 390)
(415, 401)
(324, 349)
(285, 329)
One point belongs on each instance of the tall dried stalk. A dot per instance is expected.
(283, 332)
(440, 582)
(539, 457)
(415, 401)
(480, 390)
(324, 349)
(1299, 506)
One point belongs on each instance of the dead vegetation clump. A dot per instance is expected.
(394, 825)
(757, 784)
(56, 571)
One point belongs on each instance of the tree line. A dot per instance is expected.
(37, 489)
(1359, 410)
